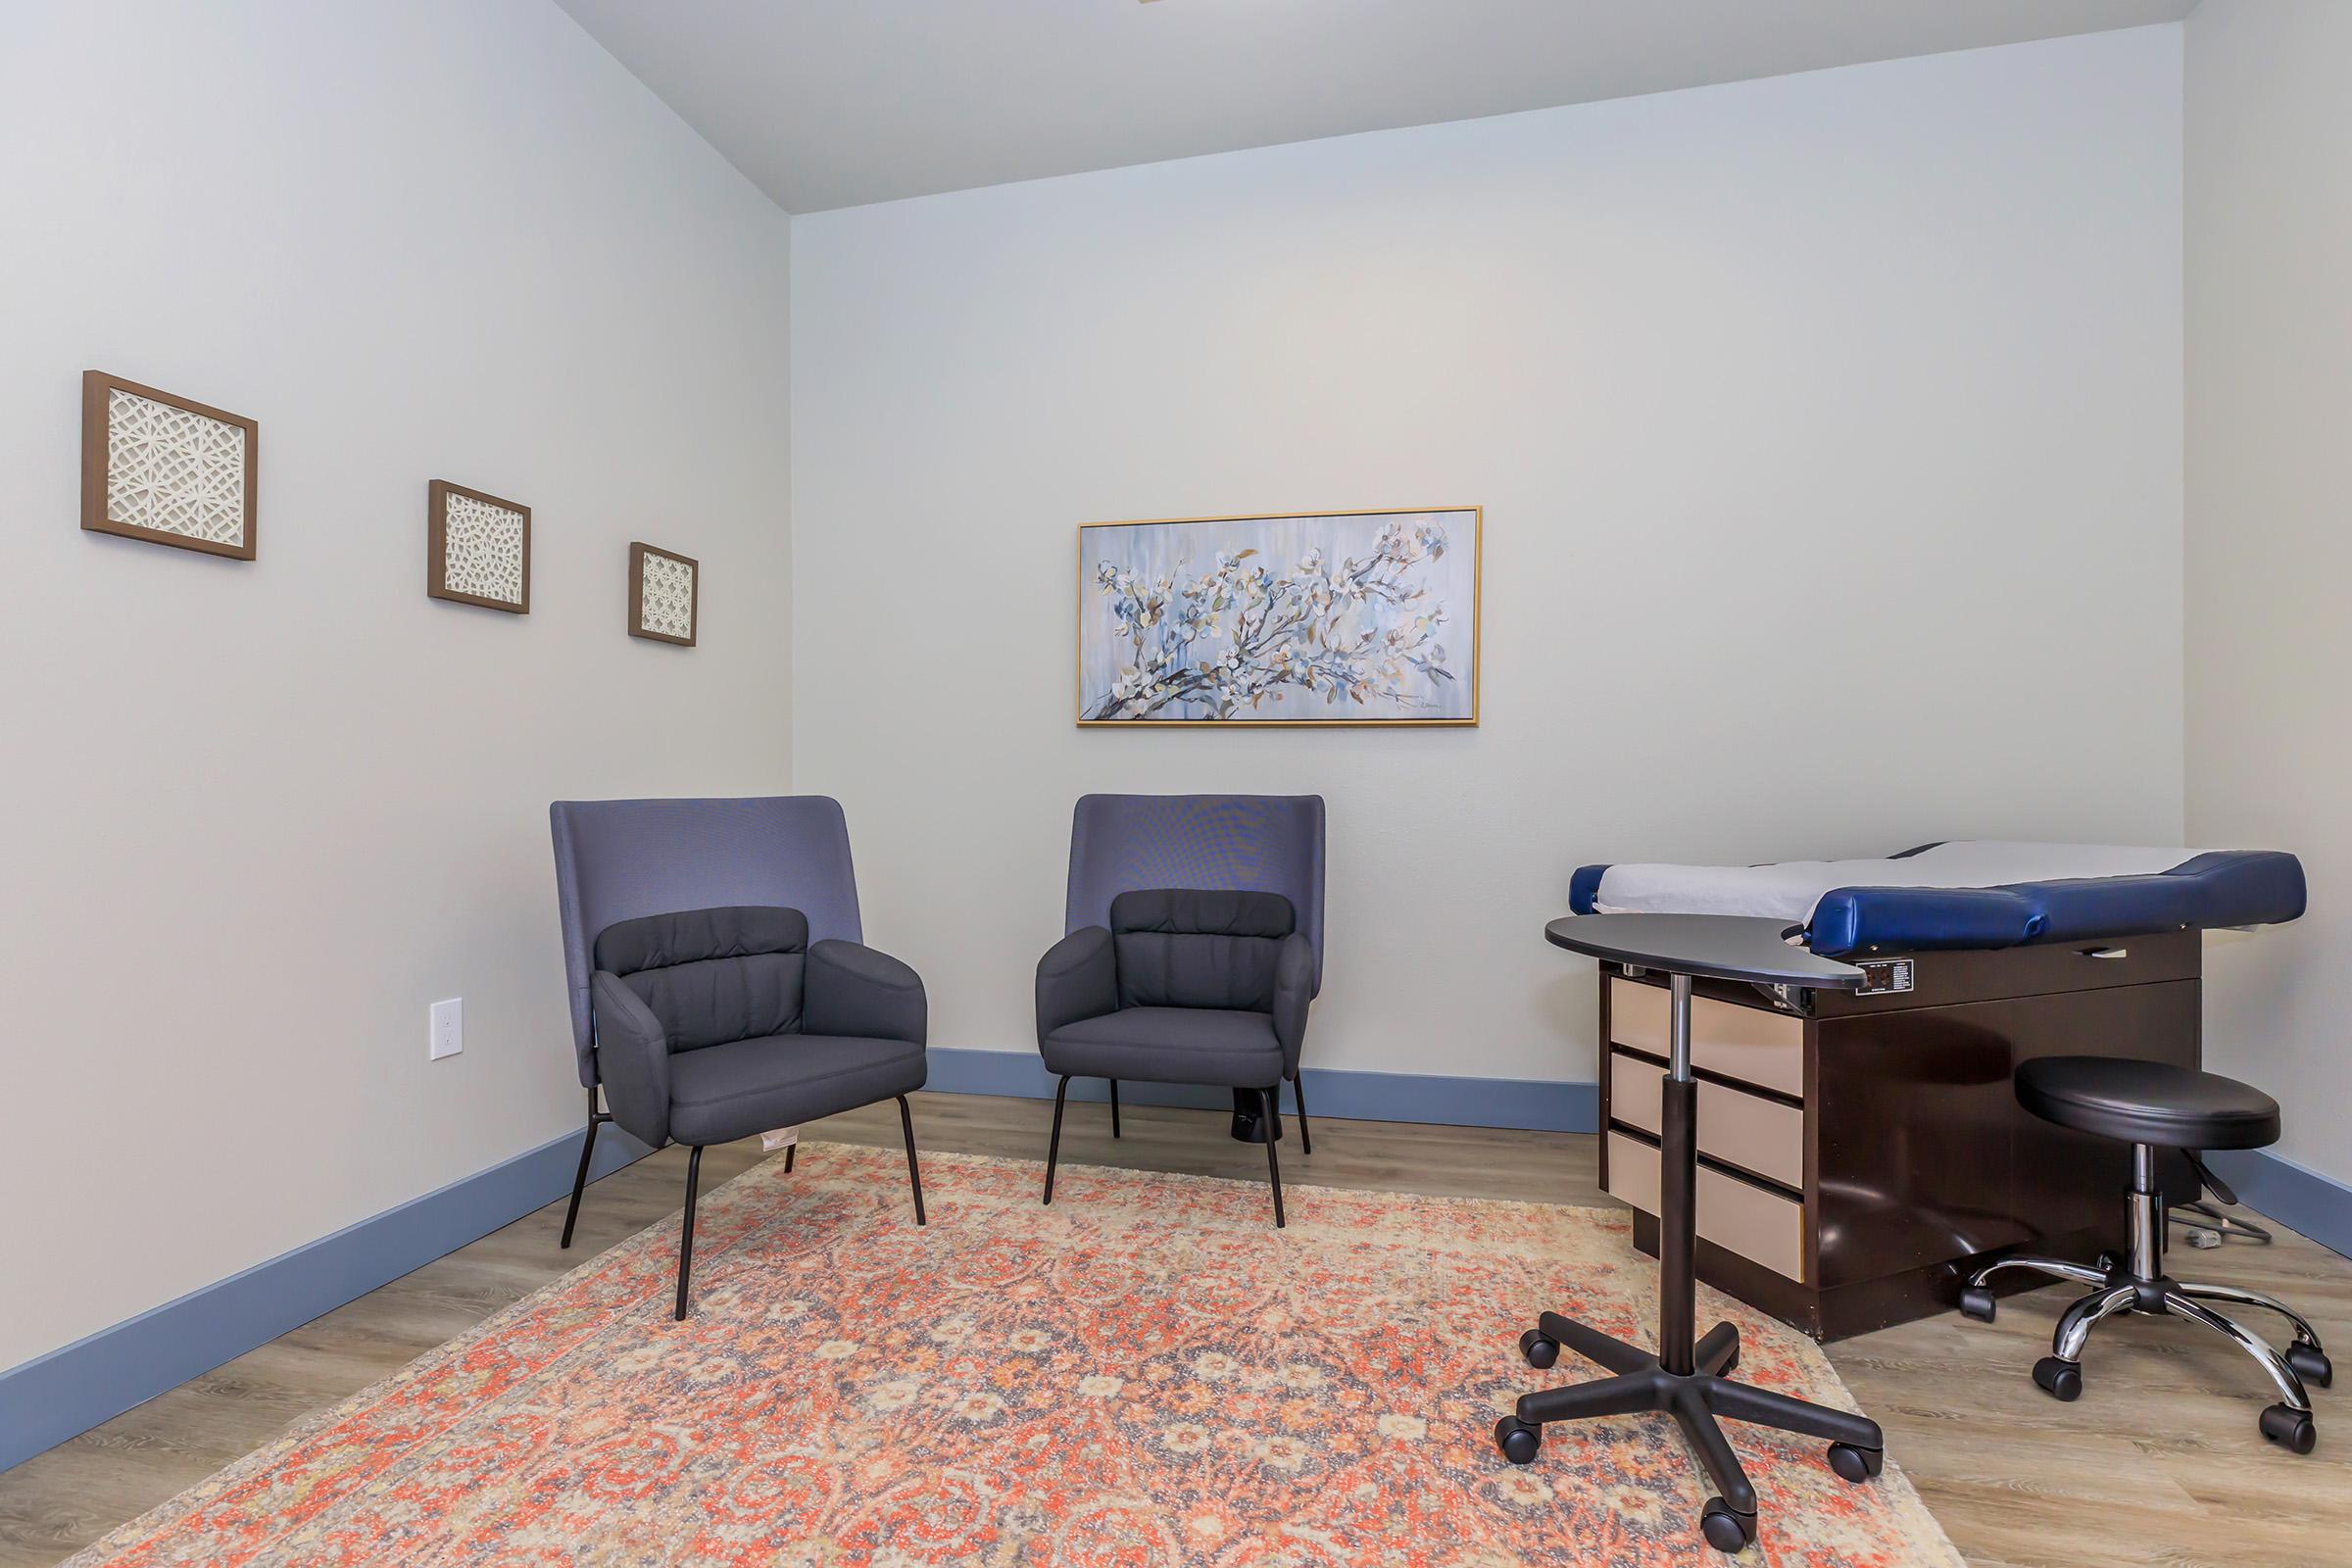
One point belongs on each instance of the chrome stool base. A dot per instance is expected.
(2140, 1286)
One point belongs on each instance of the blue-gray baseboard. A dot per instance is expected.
(69, 1390)
(2295, 1196)
(51, 1399)
(1532, 1104)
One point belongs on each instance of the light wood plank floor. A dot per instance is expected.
(2159, 1462)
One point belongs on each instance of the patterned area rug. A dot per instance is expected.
(1144, 1374)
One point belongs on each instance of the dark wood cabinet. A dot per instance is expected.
(1861, 1154)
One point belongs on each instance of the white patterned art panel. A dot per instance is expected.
(172, 471)
(483, 548)
(665, 596)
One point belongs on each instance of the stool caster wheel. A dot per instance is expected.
(2289, 1428)
(1724, 1530)
(2060, 1379)
(1540, 1348)
(1855, 1465)
(1730, 1366)
(1519, 1441)
(1977, 1301)
(2311, 1364)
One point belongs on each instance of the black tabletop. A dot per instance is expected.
(1716, 947)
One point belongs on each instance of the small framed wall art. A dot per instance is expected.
(664, 595)
(477, 549)
(167, 468)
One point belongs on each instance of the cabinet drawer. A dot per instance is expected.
(1736, 1215)
(1754, 1045)
(1753, 1133)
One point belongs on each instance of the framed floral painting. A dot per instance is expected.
(1336, 617)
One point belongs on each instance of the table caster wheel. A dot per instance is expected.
(2311, 1364)
(1856, 1464)
(1519, 1441)
(1724, 1530)
(1540, 1348)
(1977, 1301)
(2060, 1379)
(2289, 1428)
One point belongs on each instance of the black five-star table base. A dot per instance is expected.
(1691, 1382)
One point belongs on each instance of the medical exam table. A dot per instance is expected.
(1861, 1152)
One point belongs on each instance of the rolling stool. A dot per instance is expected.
(2152, 1106)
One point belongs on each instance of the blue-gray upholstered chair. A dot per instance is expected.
(1194, 945)
(718, 984)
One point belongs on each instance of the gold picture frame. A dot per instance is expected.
(1144, 587)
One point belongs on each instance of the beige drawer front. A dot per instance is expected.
(1736, 1215)
(1753, 1133)
(1753, 1045)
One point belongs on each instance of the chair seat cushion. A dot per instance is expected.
(723, 1093)
(1227, 1048)
(2147, 1102)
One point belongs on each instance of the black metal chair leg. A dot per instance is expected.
(915, 1172)
(1273, 1160)
(694, 1180)
(1115, 1107)
(579, 1178)
(1306, 1139)
(1054, 1143)
(790, 1150)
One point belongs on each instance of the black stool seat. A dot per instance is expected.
(2147, 1102)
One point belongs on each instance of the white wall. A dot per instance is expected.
(1828, 427)
(260, 815)
(2269, 234)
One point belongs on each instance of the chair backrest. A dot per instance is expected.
(1253, 842)
(1182, 948)
(619, 859)
(713, 976)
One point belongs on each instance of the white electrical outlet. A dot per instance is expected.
(449, 1028)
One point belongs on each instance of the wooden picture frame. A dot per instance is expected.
(663, 566)
(168, 470)
(485, 523)
(1179, 627)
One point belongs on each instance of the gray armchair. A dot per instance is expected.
(703, 1022)
(1206, 982)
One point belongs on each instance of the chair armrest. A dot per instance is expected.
(853, 990)
(1077, 978)
(1293, 989)
(632, 1059)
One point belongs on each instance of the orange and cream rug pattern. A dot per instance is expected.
(1144, 1374)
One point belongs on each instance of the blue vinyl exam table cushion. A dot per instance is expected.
(1972, 893)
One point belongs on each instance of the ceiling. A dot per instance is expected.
(835, 102)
